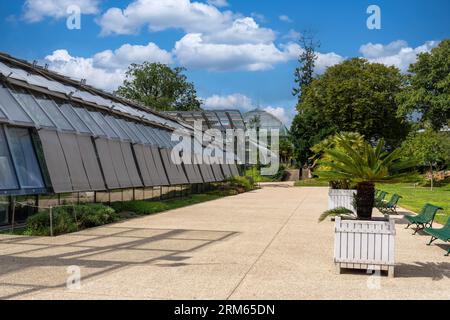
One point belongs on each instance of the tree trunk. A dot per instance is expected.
(365, 200)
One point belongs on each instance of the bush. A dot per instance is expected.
(95, 215)
(140, 207)
(69, 219)
(241, 183)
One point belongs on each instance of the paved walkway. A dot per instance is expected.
(266, 244)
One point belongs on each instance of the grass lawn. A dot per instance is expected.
(415, 198)
(311, 183)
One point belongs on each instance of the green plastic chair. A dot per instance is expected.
(391, 206)
(424, 219)
(440, 234)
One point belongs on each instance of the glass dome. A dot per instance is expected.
(264, 120)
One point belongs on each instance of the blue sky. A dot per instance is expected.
(239, 54)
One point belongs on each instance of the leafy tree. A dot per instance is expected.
(159, 87)
(358, 96)
(429, 90)
(431, 149)
(286, 150)
(365, 166)
(308, 129)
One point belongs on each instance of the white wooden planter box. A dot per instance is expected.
(341, 199)
(368, 245)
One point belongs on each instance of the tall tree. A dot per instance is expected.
(304, 132)
(429, 92)
(159, 87)
(304, 73)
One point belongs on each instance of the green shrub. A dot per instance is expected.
(241, 182)
(94, 215)
(69, 219)
(140, 207)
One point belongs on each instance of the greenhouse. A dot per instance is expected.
(59, 137)
(261, 119)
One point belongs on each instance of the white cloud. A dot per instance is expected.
(244, 30)
(127, 54)
(324, 60)
(160, 15)
(37, 10)
(232, 101)
(218, 3)
(285, 18)
(106, 69)
(396, 53)
(279, 113)
(292, 35)
(193, 52)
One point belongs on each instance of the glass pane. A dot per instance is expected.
(74, 119)
(31, 106)
(86, 117)
(7, 176)
(122, 124)
(2, 114)
(138, 132)
(98, 117)
(53, 111)
(25, 158)
(112, 122)
(11, 107)
(145, 134)
(152, 135)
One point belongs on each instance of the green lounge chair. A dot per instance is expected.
(391, 206)
(424, 219)
(440, 234)
(381, 195)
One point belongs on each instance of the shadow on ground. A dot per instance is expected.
(30, 264)
(434, 270)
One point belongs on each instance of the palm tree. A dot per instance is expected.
(365, 166)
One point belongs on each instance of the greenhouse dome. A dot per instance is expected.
(264, 120)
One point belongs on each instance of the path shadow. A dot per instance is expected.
(434, 270)
(38, 263)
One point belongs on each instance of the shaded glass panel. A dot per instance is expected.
(53, 111)
(56, 161)
(7, 176)
(98, 117)
(137, 132)
(90, 163)
(74, 161)
(12, 107)
(123, 125)
(25, 159)
(86, 117)
(118, 129)
(31, 106)
(74, 119)
(107, 163)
